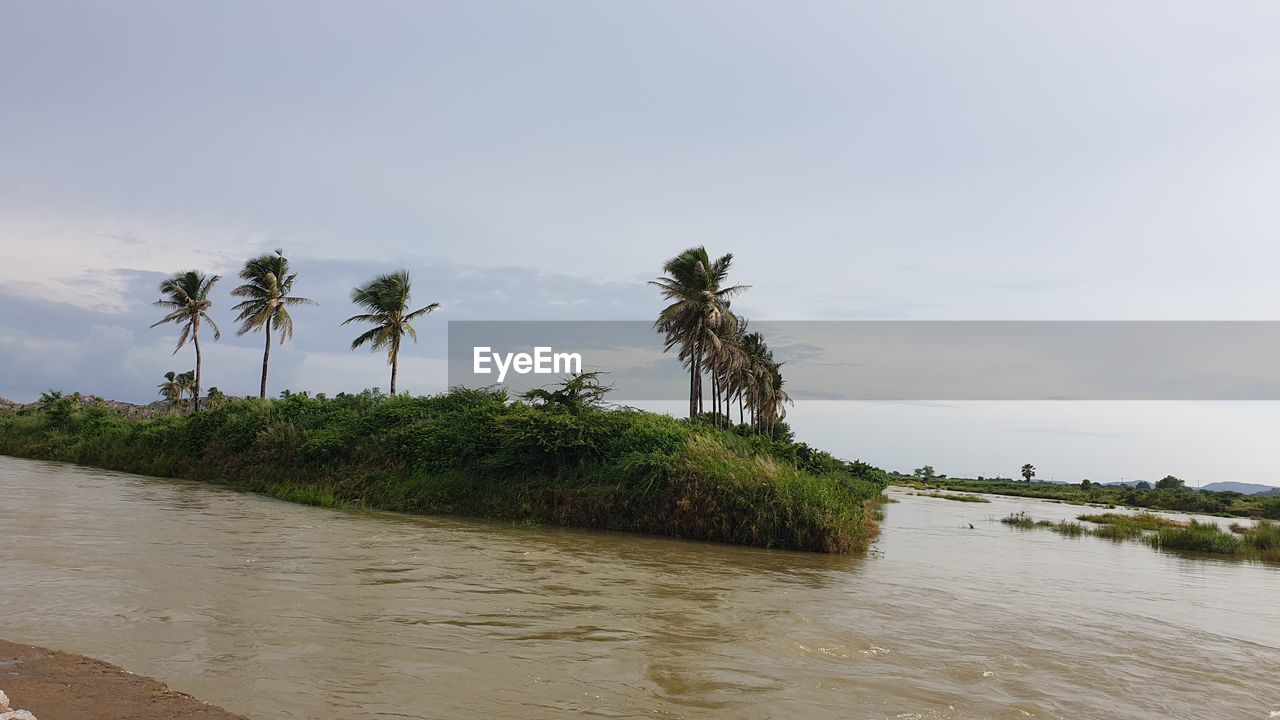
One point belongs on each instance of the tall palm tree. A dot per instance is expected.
(188, 303)
(1028, 472)
(776, 400)
(726, 360)
(386, 297)
(744, 381)
(267, 287)
(698, 317)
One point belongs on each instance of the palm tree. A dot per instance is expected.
(1028, 472)
(698, 318)
(216, 398)
(756, 381)
(171, 390)
(386, 297)
(188, 304)
(268, 285)
(187, 385)
(774, 407)
(727, 360)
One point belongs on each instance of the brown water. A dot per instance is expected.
(276, 610)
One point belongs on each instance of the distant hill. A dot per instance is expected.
(123, 409)
(1246, 488)
(1243, 488)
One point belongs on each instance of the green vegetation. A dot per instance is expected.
(1141, 521)
(1257, 542)
(1173, 496)
(559, 459)
(1196, 537)
(1024, 521)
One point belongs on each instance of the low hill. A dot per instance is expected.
(1244, 488)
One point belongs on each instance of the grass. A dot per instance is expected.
(957, 498)
(1020, 520)
(1024, 521)
(477, 453)
(1256, 542)
(1196, 537)
(1139, 521)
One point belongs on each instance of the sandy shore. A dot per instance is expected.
(55, 685)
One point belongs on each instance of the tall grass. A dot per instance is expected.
(1251, 542)
(1196, 537)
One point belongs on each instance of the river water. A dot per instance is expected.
(276, 610)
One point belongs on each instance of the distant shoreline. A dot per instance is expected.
(54, 685)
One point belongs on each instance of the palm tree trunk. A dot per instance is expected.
(695, 367)
(702, 408)
(702, 349)
(730, 398)
(266, 357)
(395, 363)
(715, 391)
(195, 391)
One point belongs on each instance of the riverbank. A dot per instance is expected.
(1222, 504)
(476, 453)
(54, 685)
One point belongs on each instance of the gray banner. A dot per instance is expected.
(910, 360)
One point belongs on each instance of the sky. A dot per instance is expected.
(863, 161)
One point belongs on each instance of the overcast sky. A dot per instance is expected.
(906, 160)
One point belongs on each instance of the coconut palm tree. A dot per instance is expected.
(188, 303)
(726, 360)
(187, 385)
(386, 297)
(745, 380)
(774, 407)
(267, 287)
(170, 390)
(698, 318)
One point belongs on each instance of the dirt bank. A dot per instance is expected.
(55, 685)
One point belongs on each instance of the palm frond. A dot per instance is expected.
(421, 311)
